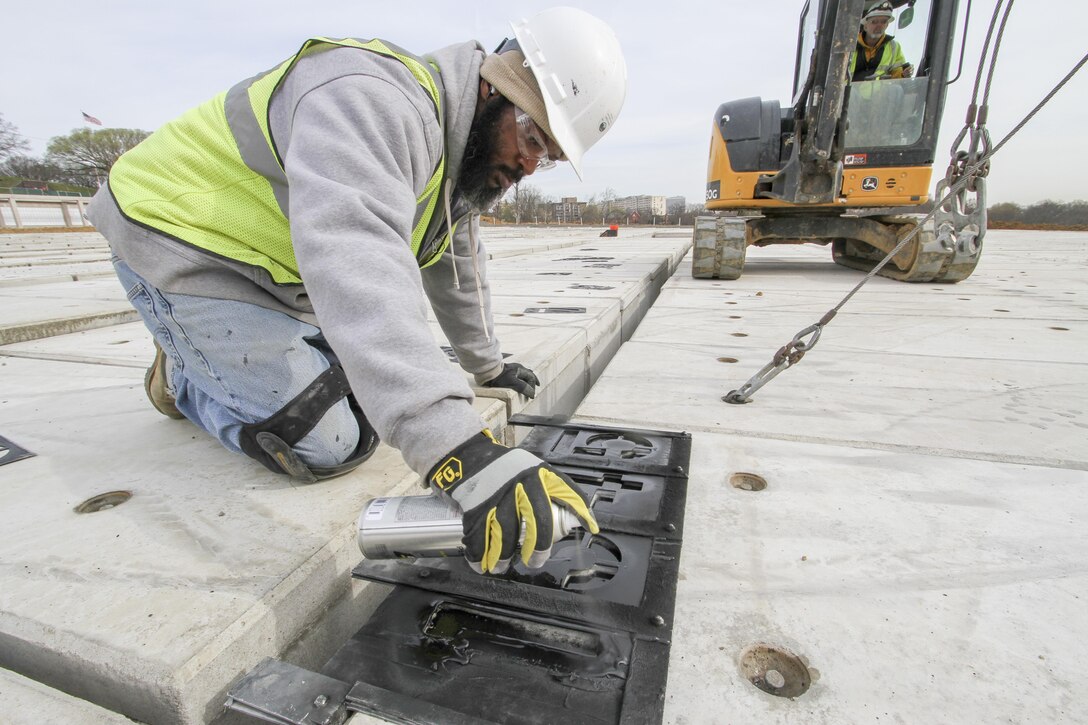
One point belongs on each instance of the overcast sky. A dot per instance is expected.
(139, 64)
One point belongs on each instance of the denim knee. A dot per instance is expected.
(333, 439)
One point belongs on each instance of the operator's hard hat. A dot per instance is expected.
(582, 77)
(881, 10)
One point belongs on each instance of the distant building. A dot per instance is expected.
(646, 207)
(569, 210)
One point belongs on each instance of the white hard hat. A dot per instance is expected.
(579, 66)
(881, 10)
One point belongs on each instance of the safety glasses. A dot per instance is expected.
(507, 44)
(532, 142)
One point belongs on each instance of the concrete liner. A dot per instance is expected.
(558, 357)
(569, 388)
(636, 295)
(635, 299)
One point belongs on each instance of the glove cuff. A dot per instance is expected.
(490, 374)
(464, 461)
(476, 469)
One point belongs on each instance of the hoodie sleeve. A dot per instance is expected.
(465, 313)
(360, 149)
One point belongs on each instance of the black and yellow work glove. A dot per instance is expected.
(499, 490)
(517, 377)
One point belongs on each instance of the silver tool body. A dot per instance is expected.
(426, 526)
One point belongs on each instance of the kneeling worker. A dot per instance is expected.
(278, 242)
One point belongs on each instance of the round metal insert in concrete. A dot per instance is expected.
(103, 501)
(739, 334)
(727, 359)
(747, 481)
(775, 670)
(1060, 329)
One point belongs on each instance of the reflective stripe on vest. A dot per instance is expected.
(888, 52)
(213, 178)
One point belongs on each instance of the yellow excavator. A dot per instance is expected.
(849, 161)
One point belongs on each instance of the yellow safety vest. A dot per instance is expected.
(213, 177)
(891, 54)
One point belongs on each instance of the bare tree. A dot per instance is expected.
(608, 196)
(545, 208)
(11, 142)
(29, 167)
(526, 199)
(90, 154)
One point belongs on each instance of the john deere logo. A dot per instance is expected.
(447, 474)
(869, 183)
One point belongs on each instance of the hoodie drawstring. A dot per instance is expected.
(449, 230)
(475, 244)
(479, 281)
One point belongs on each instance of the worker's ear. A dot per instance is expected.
(486, 90)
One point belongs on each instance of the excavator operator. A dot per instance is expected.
(878, 55)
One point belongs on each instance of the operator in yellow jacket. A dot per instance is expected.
(878, 56)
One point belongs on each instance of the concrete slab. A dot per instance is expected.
(30, 312)
(925, 486)
(153, 606)
(126, 345)
(27, 702)
(27, 257)
(910, 586)
(1023, 411)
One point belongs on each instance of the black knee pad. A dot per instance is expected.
(270, 440)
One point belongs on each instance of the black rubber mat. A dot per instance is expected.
(584, 639)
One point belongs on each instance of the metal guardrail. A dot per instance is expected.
(21, 211)
(24, 191)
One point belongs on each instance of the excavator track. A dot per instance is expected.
(925, 259)
(718, 247)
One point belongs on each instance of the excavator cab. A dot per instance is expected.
(849, 161)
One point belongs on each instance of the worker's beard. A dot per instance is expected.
(477, 168)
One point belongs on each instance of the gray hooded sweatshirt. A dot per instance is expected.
(359, 140)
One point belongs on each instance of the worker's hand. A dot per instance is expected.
(901, 71)
(517, 377)
(500, 490)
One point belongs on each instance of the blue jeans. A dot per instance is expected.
(233, 364)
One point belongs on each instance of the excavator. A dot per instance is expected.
(849, 161)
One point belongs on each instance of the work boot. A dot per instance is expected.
(155, 386)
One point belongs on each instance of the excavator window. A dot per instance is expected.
(806, 43)
(889, 110)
